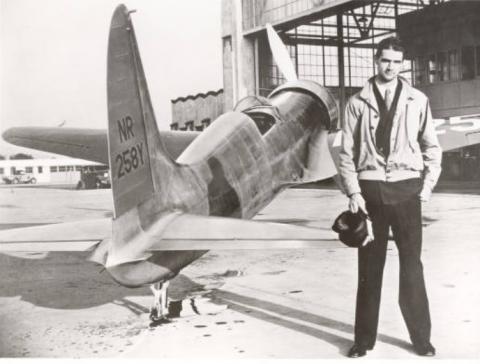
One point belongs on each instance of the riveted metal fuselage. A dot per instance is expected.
(229, 170)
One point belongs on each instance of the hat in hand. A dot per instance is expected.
(354, 229)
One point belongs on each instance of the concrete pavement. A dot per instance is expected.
(281, 303)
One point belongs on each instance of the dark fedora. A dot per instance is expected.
(351, 228)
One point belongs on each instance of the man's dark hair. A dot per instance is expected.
(390, 43)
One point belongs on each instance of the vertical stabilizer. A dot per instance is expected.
(133, 137)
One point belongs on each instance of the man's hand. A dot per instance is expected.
(357, 202)
(425, 194)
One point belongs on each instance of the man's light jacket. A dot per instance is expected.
(414, 148)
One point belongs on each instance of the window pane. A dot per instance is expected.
(419, 67)
(432, 68)
(468, 70)
(442, 66)
(453, 64)
(478, 60)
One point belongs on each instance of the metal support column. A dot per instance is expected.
(341, 66)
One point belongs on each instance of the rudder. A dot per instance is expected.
(133, 137)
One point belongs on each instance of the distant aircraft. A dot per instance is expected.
(179, 194)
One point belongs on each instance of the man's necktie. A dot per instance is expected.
(388, 98)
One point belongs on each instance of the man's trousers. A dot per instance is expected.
(406, 222)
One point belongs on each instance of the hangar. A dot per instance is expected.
(332, 42)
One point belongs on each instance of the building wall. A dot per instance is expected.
(444, 42)
(258, 13)
(196, 112)
(437, 39)
(55, 171)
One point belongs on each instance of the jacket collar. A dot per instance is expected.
(368, 96)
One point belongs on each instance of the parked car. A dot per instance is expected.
(94, 177)
(20, 177)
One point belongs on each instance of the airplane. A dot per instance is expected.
(179, 194)
(169, 211)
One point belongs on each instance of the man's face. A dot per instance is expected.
(389, 64)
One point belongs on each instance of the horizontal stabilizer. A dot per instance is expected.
(194, 232)
(68, 237)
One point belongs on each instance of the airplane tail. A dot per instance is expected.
(135, 148)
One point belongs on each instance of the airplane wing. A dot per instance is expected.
(183, 232)
(451, 139)
(195, 232)
(88, 144)
(178, 231)
(65, 237)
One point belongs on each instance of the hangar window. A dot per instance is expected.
(2, 171)
(28, 169)
(442, 66)
(174, 126)
(453, 64)
(78, 168)
(62, 168)
(432, 69)
(477, 60)
(40, 169)
(468, 61)
(420, 71)
(360, 66)
(53, 169)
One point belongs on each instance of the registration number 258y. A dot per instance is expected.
(129, 160)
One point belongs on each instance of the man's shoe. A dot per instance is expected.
(425, 350)
(357, 351)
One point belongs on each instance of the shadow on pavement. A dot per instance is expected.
(256, 308)
(69, 281)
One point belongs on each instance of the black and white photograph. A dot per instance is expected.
(240, 179)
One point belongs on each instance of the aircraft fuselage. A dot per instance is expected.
(229, 170)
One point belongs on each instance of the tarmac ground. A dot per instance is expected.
(291, 304)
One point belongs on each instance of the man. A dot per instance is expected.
(389, 163)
